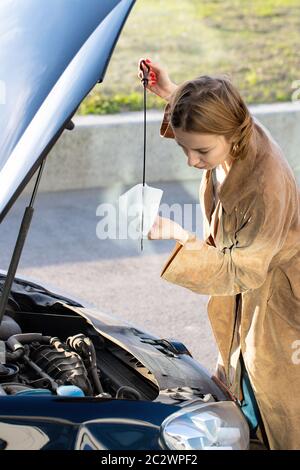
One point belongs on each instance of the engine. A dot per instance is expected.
(31, 363)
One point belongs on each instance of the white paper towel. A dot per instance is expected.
(131, 206)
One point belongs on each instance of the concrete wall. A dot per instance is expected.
(104, 151)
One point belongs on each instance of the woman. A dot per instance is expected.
(249, 260)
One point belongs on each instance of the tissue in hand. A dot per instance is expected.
(133, 203)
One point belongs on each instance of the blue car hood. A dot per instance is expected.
(52, 53)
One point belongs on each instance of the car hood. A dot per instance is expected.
(52, 53)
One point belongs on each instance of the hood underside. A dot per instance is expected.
(52, 53)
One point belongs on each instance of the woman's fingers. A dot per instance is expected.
(167, 229)
(152, 77)
(142, 65)
(154, 232)
(152, 80)
(158, 80)
(153, 65)
(154, 68)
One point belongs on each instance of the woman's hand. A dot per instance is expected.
(167, 229)
(159, 82)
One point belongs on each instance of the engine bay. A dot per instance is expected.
(51, 344)
(82, 364)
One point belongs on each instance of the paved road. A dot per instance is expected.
(62, 249)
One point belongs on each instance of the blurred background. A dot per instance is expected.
(256, 42)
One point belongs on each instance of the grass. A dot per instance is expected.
(256, 42)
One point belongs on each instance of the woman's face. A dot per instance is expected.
(203, 151)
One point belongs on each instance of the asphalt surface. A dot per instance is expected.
(63, 250)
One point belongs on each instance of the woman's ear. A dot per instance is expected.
(230, 140)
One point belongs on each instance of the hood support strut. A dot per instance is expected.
(25, 224)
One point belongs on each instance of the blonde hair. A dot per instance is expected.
(212, 105)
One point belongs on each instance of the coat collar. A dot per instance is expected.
(237, 179)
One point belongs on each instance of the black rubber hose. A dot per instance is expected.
(16, 342)
(40, 372)
(84, 346)
(124, 389)
(12, 357)
(97, 383)
(93, 366)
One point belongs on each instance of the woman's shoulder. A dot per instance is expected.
(271, 162)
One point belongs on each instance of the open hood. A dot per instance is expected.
(52, 53)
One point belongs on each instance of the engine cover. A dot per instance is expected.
(62, 364)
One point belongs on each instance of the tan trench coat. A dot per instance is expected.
(251, 252)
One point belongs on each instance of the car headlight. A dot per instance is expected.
(206, 426)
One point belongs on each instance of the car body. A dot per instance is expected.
(72, 377)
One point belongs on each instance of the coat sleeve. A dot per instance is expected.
(243, 266)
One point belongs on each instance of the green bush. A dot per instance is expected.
(101, 104)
